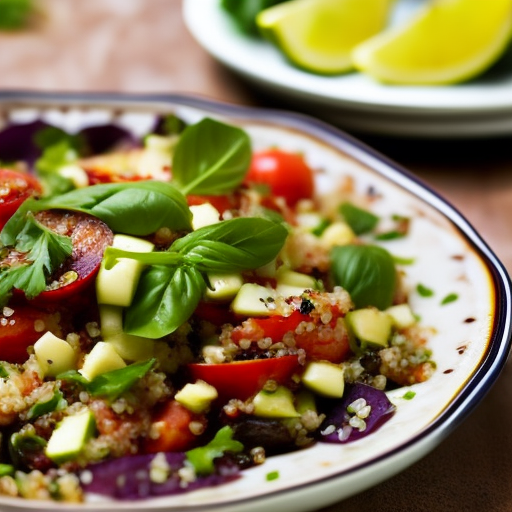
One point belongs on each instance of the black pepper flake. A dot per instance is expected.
(306, 306)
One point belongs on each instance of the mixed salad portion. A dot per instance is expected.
(178, 308)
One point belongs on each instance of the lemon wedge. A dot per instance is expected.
(319, 35)
(448, 41)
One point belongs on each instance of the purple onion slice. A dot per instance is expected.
(362, 410)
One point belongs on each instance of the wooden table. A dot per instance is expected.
(143, 46)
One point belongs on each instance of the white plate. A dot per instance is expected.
(472, 334)
(480, 107)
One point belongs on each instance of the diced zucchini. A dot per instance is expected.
(338, 233)
(204, 215)
(54, 355)
(401, 316)
(253, 300)
(69, 438)
(117, 286)
(102, 358)
(196, 397)
(369, 327)
(128, 346)
(225, 286)
(276, 404)
(326, 379)
(284, 275)
(75, 174)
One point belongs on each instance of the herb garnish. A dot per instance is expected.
(360, 221)
(173, 284)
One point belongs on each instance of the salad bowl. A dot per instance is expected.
(467, 312)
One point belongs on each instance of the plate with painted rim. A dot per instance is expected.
(470, 335)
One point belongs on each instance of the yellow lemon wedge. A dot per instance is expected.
(319, 35)
(447, 41)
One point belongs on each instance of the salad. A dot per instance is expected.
(178, 308)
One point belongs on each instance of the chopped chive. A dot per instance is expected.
(424, 291)
(273, 475)
(409, 395)
(318, 230)
(403, 261)
(451, 297)
(389, 235)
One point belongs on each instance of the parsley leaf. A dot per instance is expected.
(45, 250)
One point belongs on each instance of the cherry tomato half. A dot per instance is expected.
(172, 422)
(22, 326)
(15, 187)
(287, 174)
(90, 237)
(243, 379)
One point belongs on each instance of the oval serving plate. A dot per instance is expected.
(471, 335)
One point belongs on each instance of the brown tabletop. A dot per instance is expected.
(143, 46)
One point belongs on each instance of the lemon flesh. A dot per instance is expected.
(448, 41)
(319, 35)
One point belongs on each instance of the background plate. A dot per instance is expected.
(481, 107)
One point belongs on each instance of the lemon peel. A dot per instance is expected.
(448, 41)
(319, 35)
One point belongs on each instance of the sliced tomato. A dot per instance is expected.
(98, 175)
(22, 326)
(243, 379)
(90, 237)
(322, 342)
(215, 313)
(220, 203)
(286, 174)
(15, 187)
(274, 327)
(172, 424)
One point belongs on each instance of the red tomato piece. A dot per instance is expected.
(15, 187)
(274, 327)
(22, 326)
(97, 176)
(215, 313)
(220, 203)
(287, 174)
(90, 237)
(172, 422)
(243, 379)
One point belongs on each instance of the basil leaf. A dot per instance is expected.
(165, 299)
(211, 158)
(15, 14)
(134, 208)
(239, 244)
(367, 272)
(244, 13)
(202, 457)
(114, 383)
(360, 221)
(111, 384)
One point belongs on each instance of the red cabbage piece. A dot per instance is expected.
(17, 142)
(102, 138)
(336, 427)
(128, 478)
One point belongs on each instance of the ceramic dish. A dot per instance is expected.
(481, 107)
(471, 337)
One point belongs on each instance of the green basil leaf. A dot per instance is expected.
(114, 383)
(165, 299)
(238, 244)
(367, 272)
(135, 208)
(202, 457)
(111, 384)
(211, 158)
(244, 13)
(360, 221)
(15, 14)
